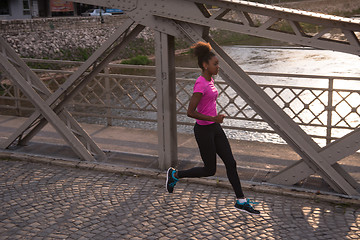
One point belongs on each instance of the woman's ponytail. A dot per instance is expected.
(203, 52)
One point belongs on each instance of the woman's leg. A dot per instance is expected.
(204, 135)
(223, 149)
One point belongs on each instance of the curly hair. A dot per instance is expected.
(203, 52)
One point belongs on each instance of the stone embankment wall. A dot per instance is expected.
(59, 23)
(51, 37)
(54, 37)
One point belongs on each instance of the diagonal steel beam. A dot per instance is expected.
(291, 133)
(335, 167)
(143, 12)
(277, 119)
(351, 184)
(160, 16)
(333, 152)
(74, 84)
(91, 61)
(41, 88)
(247, 26)
(7, 67)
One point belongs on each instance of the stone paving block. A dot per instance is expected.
(90, 204)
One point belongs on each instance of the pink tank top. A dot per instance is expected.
(207, 104)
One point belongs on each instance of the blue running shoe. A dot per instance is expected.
(246, 207)
(171, 180)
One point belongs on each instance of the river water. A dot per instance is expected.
(292, 60)
(295, 60)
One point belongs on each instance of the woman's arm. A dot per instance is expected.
(191, 112)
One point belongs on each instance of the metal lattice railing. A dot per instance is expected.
(126, 95)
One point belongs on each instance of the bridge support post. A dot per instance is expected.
(166, 99)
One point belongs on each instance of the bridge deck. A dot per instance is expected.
(138, 148)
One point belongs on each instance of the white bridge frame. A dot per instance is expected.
(192, 20)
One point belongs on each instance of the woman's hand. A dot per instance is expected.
(219, 118)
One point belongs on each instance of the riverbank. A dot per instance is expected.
(76, 38)
(345, 8)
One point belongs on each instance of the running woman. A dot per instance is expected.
(209, 134)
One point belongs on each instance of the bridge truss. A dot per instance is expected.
(192, 20)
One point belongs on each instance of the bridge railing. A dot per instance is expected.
(326, 107)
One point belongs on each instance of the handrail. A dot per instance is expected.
(188, 69)
(112, 94)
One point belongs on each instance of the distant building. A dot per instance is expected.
(61, 8)
(16, 9)
(26, 9)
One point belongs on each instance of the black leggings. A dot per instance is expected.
(212, 140)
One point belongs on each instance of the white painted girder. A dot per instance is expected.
(144, 11)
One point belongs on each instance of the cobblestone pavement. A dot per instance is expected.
(40, 201)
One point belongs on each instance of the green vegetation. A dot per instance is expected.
(310, 28)
(78, 54)
(2, 90)
(347, 14)
(3, 87)
(284, 26)
(138, 46)
(138, 60)
(181, 44)
(35, 65)
(224, 37)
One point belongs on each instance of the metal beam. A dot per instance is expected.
(91, 61)
(327, 172)
(193, 22)
(333, 152)
(166, 99)
(82, 76)
(71, 87)
(274, 115)
(41, 89)
(267, 29)
(7, 67)
(143, 12)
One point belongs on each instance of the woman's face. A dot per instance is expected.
(212, 66)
